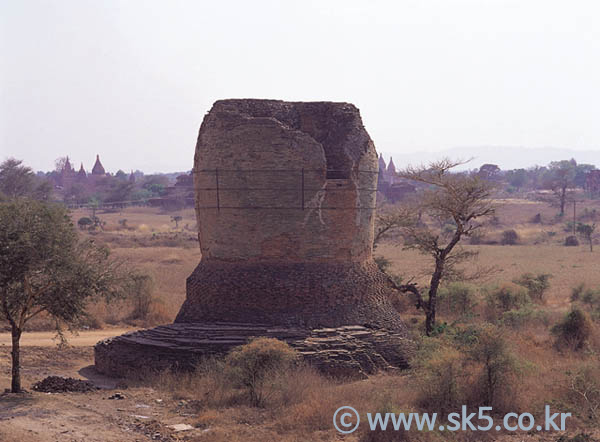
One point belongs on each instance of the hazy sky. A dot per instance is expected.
(132, 80)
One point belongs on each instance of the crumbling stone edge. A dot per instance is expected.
(352, 351)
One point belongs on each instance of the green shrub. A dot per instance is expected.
(456, 298)
(498, 371)
(573, 331)
(439, 371)
(251, 366)
(536, 285)
(577, 291)
(504, 298)
(468, 366)
(591, 298)
(522, 316)
(85, 223)
(509, 238)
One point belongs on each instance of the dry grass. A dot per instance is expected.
(569, 266)
(302, 403)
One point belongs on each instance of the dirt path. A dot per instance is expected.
(47, 339)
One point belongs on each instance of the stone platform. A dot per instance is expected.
(347, 351)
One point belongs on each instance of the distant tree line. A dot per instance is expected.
(18, 180)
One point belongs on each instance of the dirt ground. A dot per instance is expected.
(81, 417)
(146, 413)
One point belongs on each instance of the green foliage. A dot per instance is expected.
(536, 285)
(456, 298)
(587, 232)
(251, 366)
(581, 293)
(509, 238)
(466, 366)
(439, 375)
(504, 298)
(573, 331)
(85, 222)
(522, 316)
(499, 366)
(17, 180)
(45, 268)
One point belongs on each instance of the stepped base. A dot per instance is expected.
(352, 350)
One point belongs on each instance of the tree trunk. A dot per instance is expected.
(563, 200)
(16, 362)
(431, 302)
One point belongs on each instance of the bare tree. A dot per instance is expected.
(176, 219)
(391, 219)
(461, 200)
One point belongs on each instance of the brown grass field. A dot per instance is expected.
(301, 410)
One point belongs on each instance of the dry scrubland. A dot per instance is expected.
(531, 369)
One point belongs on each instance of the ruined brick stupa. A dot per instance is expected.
(285, 204)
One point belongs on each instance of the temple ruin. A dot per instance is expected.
(285, 204)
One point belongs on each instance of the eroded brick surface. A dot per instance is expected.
(285, 198)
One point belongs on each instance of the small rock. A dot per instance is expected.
(181, 427)
(118, 396)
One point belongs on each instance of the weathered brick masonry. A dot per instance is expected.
(285, 198)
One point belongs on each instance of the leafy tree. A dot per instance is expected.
(586, 231)
(44, 268)
(517, 178)
(156, 184)
(536, 285)
(119, 191)
(581, 171)
(489, 172)
(15, 179)
(561, 178)
(459, 198)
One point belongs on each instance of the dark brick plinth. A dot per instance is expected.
(352, 351)
(306, 295)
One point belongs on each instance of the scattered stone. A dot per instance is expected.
(57, 384)
(139, 416)
(181, 427)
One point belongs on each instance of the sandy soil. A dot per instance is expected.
(48, 339)
(83, 417)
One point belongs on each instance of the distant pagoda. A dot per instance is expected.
(98, 168)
